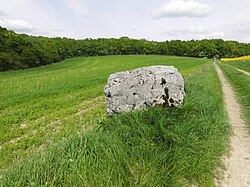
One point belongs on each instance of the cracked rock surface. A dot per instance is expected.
(144, 87)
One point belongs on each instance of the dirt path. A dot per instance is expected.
(237, 173)
(240, 70)
(247, 73)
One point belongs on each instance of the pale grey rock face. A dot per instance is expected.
(144, 87)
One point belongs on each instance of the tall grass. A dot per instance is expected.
(49, 103)
(241, 84)
(155, 147)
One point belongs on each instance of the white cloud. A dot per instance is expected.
(17, 25)
(180, 8)
(2, 13)
(195, 30)
(246, 40)
(116, 18)
(189, 30)
(77, 7)
(217, 35)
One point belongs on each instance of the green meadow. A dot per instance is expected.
(54, 130)
(243, 65)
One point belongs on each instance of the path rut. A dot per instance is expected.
(237, 172)
(247, 73)
(240, 70)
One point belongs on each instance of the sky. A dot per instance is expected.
(157, 20)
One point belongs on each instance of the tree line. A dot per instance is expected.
(20, 51)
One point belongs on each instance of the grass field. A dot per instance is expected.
(241, 85)
(49, 103)
(243, 65)
(60, 103)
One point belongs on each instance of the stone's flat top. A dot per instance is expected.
(158, 68)
(153, 69)
(144, 87)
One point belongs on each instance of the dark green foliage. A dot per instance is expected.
(156, 147)
(31, 51)
(9, 61)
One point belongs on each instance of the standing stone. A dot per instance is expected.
(144, 87)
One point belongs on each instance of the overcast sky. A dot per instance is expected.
(157, 20)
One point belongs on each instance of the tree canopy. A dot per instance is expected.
(19, 51)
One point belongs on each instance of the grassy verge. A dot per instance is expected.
(156, 147)
(243, 65)
(241, 84)
(50, 103)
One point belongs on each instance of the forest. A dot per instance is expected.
(20, 51)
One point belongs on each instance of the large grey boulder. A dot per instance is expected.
(144, 87)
